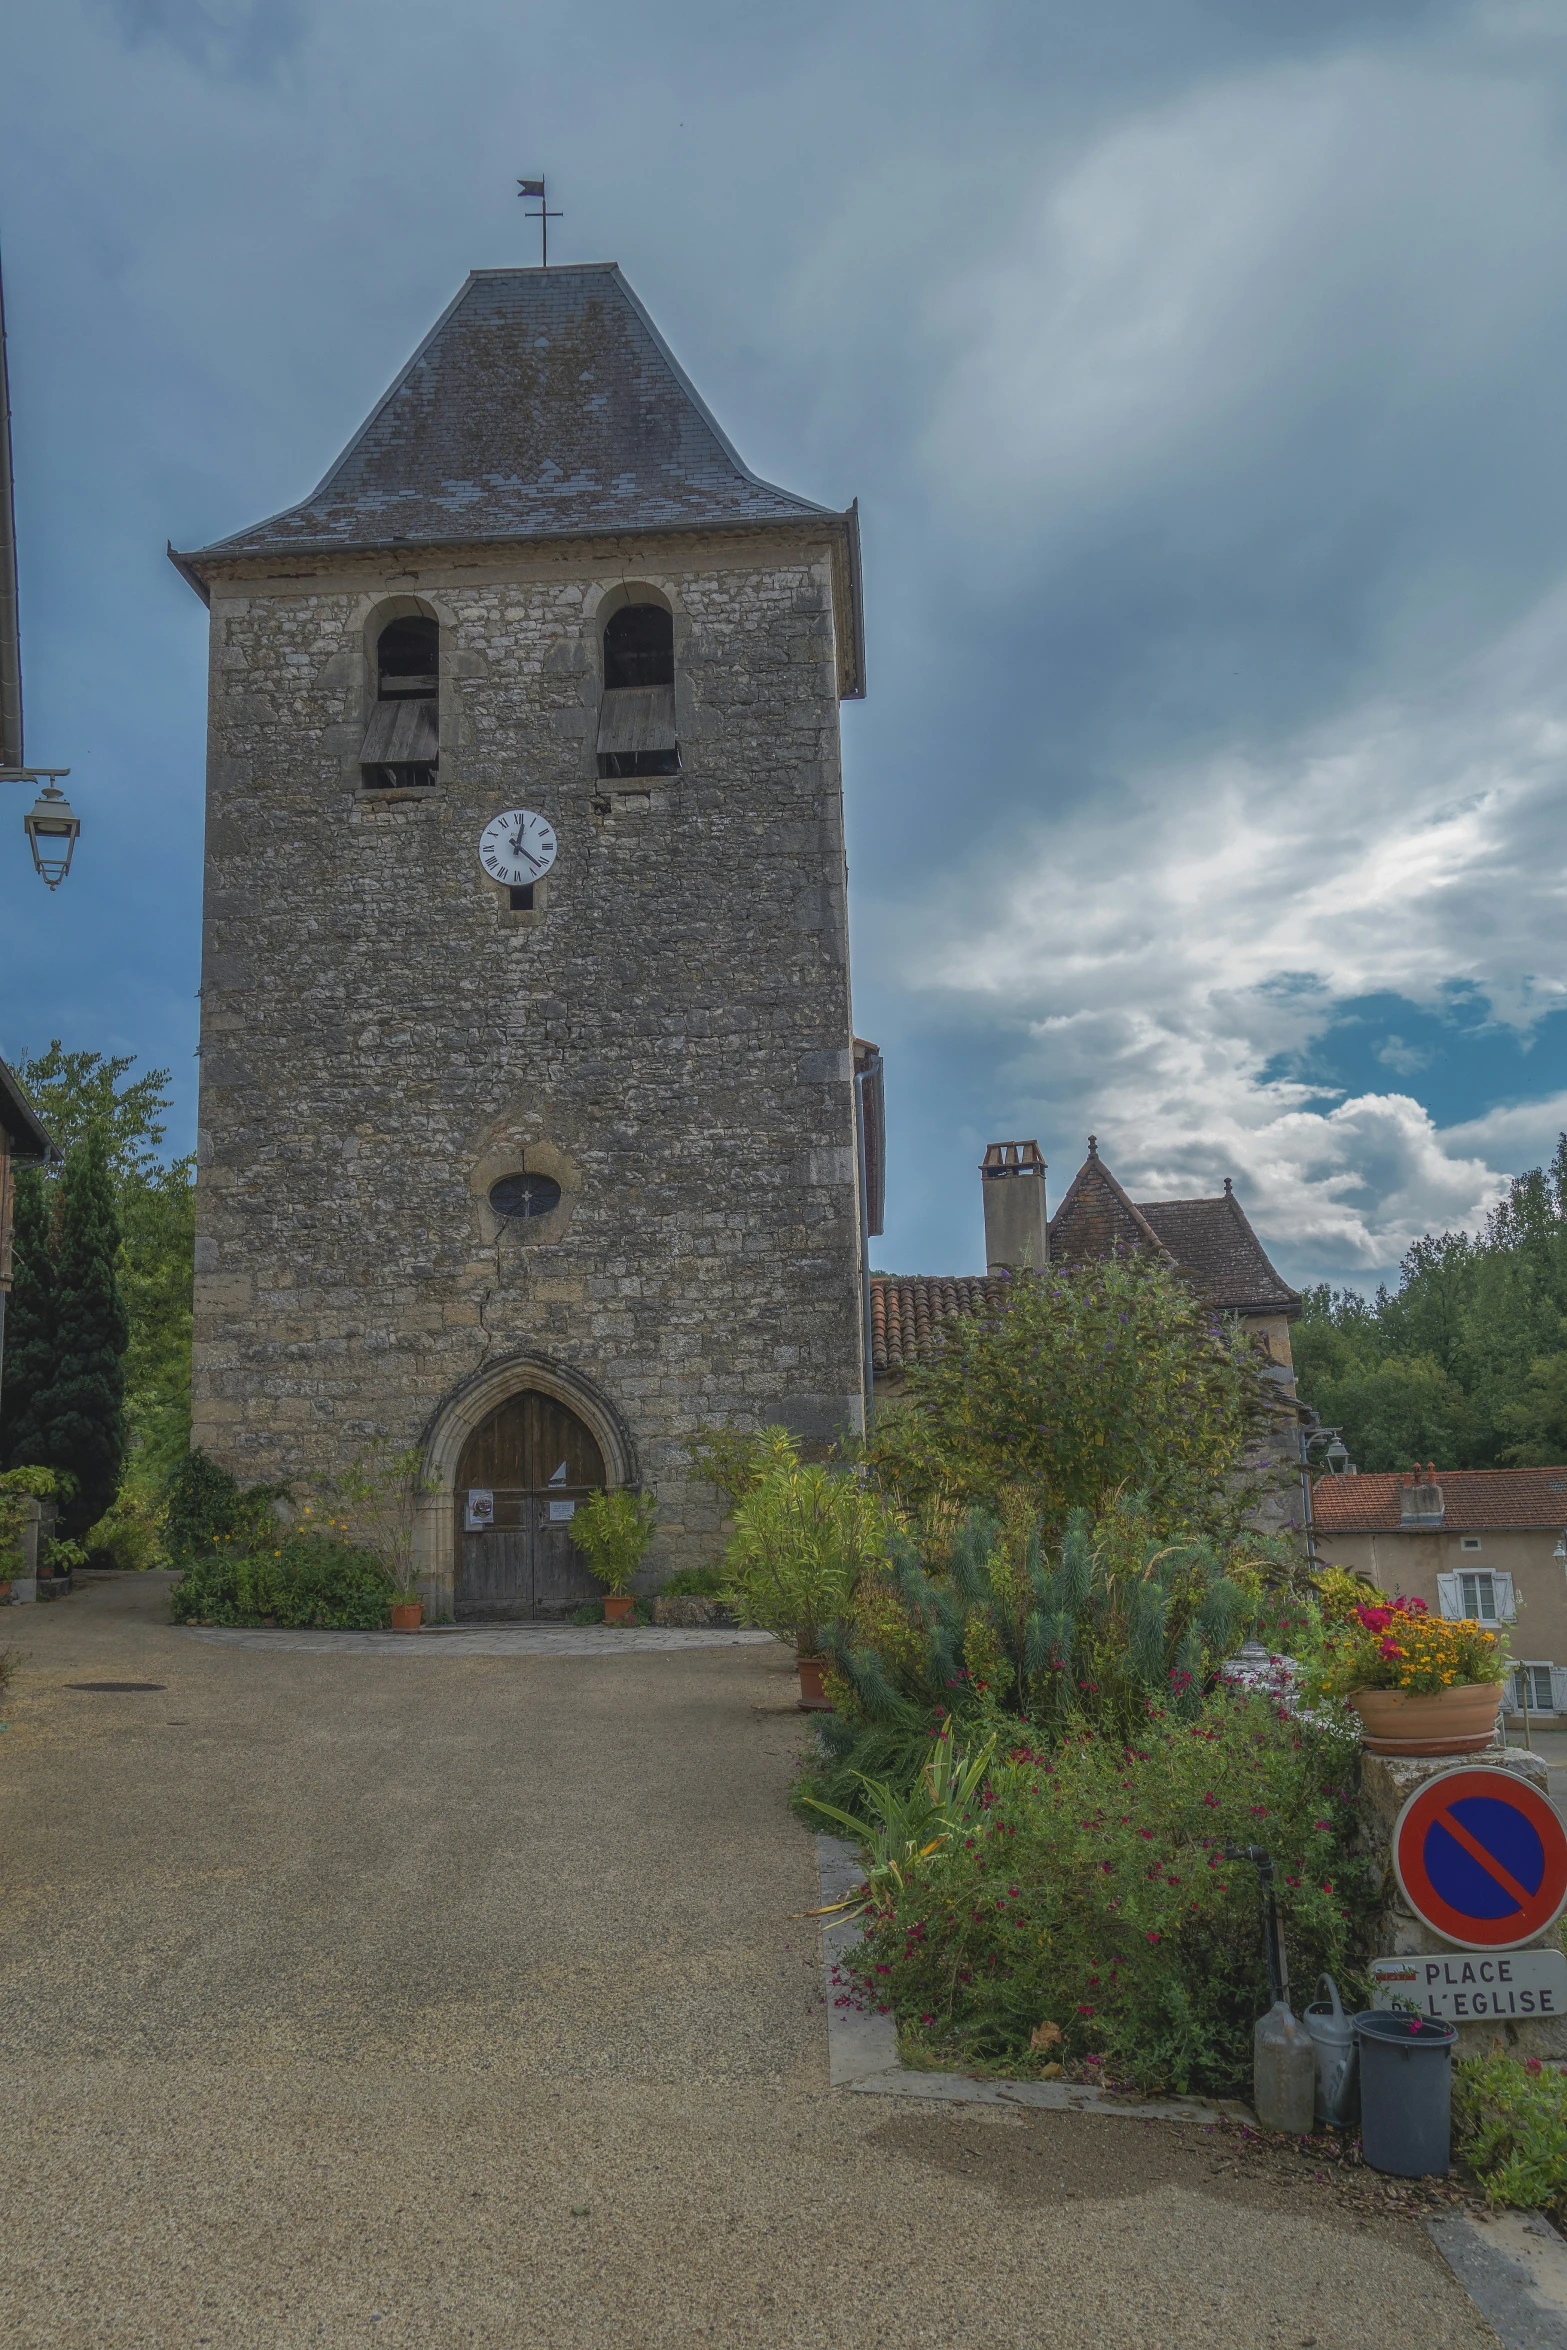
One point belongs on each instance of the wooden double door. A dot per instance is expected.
(523, 1473)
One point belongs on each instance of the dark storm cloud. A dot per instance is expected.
(1197, 369)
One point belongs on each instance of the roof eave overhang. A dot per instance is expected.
(205, 565)
(31, 1144)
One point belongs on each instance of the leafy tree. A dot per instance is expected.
(1466, 1362)
(73, 1091)
(1086, 1383)
(29, 1323)
(156, 1203)
(80, 1413)
(1403, 1409)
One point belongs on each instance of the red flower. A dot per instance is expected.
(1152, 1936)
(1375, 1619)
(1085, 2010)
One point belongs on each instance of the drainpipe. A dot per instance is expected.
(867, 1348)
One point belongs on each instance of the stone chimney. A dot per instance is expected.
(1421, 1502)
(1017, 1236)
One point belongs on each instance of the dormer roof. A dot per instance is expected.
(1209, 1240)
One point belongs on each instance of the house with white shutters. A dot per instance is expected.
(1489, 1544)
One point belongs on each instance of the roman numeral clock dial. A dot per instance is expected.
(517, 847)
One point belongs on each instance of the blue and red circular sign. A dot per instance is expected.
(1481, 1857)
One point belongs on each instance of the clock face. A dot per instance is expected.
(517, 847)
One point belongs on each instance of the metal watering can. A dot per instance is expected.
(1333, 2045)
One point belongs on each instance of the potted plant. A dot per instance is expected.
(1421, 1684)
(407, 1605)
(612, 1530)
(382, 1493)
(802, 1538)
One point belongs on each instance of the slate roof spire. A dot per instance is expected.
(542, 404)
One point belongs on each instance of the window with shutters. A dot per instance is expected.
(1478, 1587)
(1535, 1683)
(401, 748)
(637, 712)
(1481, 1595)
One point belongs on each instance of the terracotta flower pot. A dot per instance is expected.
(5, 1589)
(619, 1606)
(407, 1615)
(813, 1697)
(1460, 1720)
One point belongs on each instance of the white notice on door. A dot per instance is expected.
(481, 1509)
(1469, 1987)
(560, 1510)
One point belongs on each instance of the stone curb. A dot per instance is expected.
(1514, 2269)
(488, 1640)
(862, 2048)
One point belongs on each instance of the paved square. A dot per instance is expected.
(447, 1998)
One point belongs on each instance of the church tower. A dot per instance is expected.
(527, 1128)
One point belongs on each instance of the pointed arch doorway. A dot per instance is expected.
(523, 1472)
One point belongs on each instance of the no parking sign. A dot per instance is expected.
(1481, 1857)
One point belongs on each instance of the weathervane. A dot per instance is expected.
(543, 216)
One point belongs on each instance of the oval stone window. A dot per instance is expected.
(525, 1195)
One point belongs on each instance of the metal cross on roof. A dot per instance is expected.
(543, 216)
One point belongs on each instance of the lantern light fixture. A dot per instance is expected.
(51, 824)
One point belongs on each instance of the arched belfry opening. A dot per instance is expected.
(402, 744)
(637, 714)
(523, 1472)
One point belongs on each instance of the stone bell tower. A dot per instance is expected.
(527, 1082)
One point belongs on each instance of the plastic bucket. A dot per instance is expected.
(1333, 2045)
(1406, 2092)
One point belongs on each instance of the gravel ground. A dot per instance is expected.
(458, 2000)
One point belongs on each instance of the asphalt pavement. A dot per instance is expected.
(435, 1997)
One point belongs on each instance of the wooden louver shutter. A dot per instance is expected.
(636, 718)
(401, 734)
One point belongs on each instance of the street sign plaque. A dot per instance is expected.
(1468, 1987)
(1481, 1858)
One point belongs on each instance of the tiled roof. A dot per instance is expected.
(906, 1315)
(542, 402)
(1477, 1501)
(1096, 1218)
(1218, 1251)
(1209, 1239)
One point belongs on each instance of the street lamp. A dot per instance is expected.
(51, 826)
(1332, 1441)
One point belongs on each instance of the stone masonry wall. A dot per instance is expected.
(669, 1034)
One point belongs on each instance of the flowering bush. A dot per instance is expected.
(1090, 1893)
(1403, 1646)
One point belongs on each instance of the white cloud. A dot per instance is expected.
(1269, 332)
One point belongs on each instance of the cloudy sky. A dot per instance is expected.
(1198, 366)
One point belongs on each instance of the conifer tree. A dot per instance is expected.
(29, 1325)
(82, 1410)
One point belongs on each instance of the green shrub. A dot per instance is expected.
(1510, 2125)
(1110, 1378)
(693, 1583)
(307, 1582)
(803, 1537)
(1121, 1624)
(207, 1508)
(612, 1530)
(1091, 1893)
(127, 1535)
